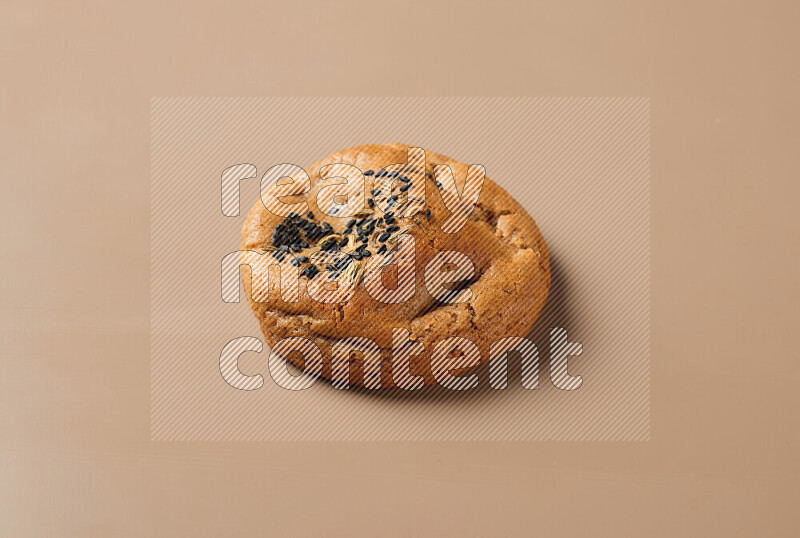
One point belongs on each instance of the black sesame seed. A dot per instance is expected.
(295, 263)
(382, 249)
(384, 236)
(296, 247)
(302, 259)
(293, 215)
(389, 214)
(430, 176)
(404, 179)
(310, 215)
(343, 242)
(393, 174)
(371, 202)
(428, 214)
(350, 223)
(366, 253)
(356, 255)
(375, 192)
(369, 172)
(390, 220)
(301, 222)
(438, 184)
(392, 228)
(405, 187)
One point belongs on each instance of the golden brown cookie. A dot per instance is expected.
(506, 292)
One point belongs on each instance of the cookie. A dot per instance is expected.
(390, 255)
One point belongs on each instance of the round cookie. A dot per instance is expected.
(506, 293)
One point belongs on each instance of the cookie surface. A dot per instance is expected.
(501, 297)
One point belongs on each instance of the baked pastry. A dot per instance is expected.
(499, 296)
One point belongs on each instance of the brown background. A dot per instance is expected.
(76, 459)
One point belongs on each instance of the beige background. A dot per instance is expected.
(75, 454)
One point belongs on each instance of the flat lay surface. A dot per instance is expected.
(718, 457)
